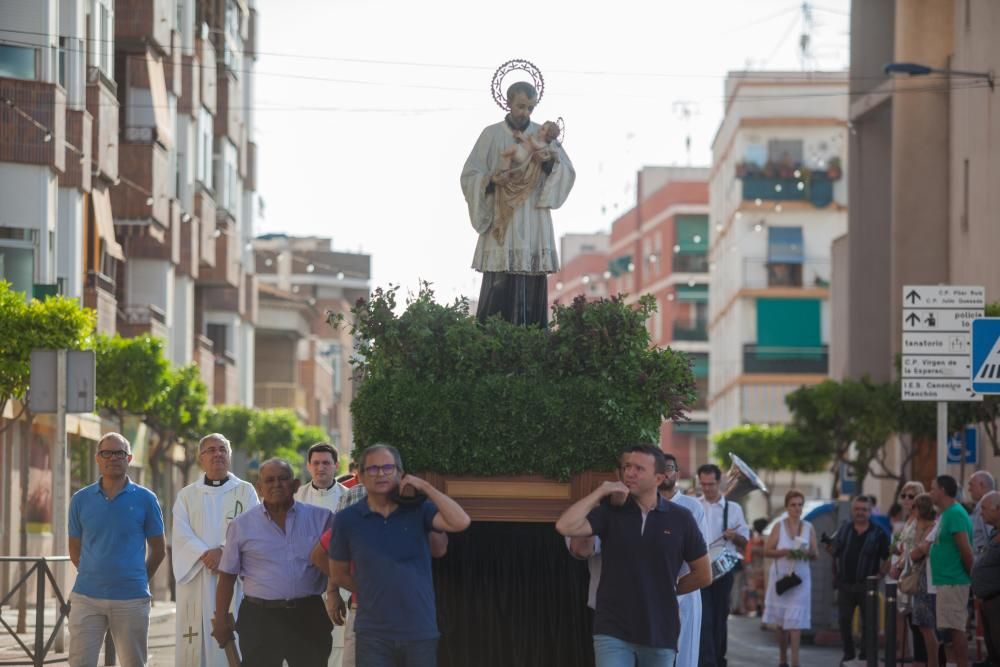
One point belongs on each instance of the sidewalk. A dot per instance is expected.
(161, 636)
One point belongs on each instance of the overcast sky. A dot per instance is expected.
(367, 109)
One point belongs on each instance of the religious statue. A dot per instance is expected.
(515, 175)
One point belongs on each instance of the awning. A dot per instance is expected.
(692, 293)
(105, 223)
(698, 428)
(158, 93)
(692, 233)
(784, 245)
(619, 265)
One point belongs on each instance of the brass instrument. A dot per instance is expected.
(740, 480)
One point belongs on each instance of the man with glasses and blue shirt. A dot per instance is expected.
(385, 535)
(111, 522)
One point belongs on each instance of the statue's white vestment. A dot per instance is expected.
(201, 516)
(529, 244)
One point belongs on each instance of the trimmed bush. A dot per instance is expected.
(457, 397)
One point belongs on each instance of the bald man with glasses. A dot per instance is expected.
(112, 524)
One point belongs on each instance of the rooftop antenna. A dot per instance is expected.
(806, 58)
(685, 109)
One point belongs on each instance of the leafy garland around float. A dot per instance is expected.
(461, 398)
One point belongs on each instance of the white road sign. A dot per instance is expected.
(937, 341)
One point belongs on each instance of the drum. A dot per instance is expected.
(723, 560)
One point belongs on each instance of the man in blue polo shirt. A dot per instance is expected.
(110, 524)
(386, 538)
(644, 541)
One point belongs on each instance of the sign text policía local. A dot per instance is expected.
(937, 341)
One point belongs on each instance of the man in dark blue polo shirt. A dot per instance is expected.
(644, 541)
(386, 538)
(110, 524)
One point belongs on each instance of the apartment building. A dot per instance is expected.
(659, 247)
(778, 200)
(302, 362)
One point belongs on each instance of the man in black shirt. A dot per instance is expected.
(860, 550)
(986, 576)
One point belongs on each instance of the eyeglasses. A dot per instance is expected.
(670, 467)
(113, 454)
(387, 469)
(907, 496)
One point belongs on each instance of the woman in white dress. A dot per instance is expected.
(792, 543)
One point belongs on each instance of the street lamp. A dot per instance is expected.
(916, 69)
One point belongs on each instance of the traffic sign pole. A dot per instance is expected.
(942, 437)
(60, 486)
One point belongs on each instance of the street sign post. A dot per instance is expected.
(61, 381)
(937, 347)
(986, 355)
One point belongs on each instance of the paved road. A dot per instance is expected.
(749, 646)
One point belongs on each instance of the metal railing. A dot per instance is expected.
(41, 644)
(767, 359)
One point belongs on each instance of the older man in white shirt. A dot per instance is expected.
(727, 529)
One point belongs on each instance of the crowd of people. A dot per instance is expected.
(338, 572)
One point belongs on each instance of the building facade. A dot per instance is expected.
(659, 247)
(303, 362)
(778, 200)
(923, 191)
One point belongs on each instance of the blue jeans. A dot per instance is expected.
(377, 652)
(614, 652)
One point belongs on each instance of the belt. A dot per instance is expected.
(279, 604)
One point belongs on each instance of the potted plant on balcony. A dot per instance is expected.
(833, 169)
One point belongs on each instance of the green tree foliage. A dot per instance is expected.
(176, 415)
(57, 322)
(499, 399)
(264, 433)
(131, 374)
(765, 447)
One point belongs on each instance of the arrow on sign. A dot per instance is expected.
(912, 319)
(913, 296)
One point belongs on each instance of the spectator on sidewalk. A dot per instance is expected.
(980, 483)
(986, 576)
(951, 562)
(111, 524)
(860, 550)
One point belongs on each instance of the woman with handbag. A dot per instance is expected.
(792, 543)
(916, 578)
(902, 542)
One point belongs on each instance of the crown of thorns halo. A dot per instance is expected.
(500, 96)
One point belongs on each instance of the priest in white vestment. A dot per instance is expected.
(689, 604)
(516, 248)
(202, 513)
(323, 490)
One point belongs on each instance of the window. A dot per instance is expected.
(219, 335)
(784, 256)
(206, 146)
(62, 61)
(17, 62)
(227, 178)
(103, 37)
(785, 151)
(233, 54)
(17, 266)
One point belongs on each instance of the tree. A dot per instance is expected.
(56, 323)
(233, 421)
(277, 433)
(176, 416)
(131, 374)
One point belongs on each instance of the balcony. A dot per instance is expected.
(204, 356)
(812, 272)
(817, 190)
(102, 103)
(139, 320)
(99, 294)
(690, 330)
(785, 360)
(78, 134)
(142, 21)
(229, 117)
(227, 381)
(23, 141)
(226, 268)
(693, 263)
(268, 395)
(204, 210)
(144, 196)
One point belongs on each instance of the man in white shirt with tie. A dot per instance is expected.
(726, 528)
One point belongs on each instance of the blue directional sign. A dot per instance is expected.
(955, 445)
(986, 355)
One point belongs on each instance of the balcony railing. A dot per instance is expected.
(695, 263)
(687, 330)
(99, 294)
(269, 395)
(766, 359)
(811, 272)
